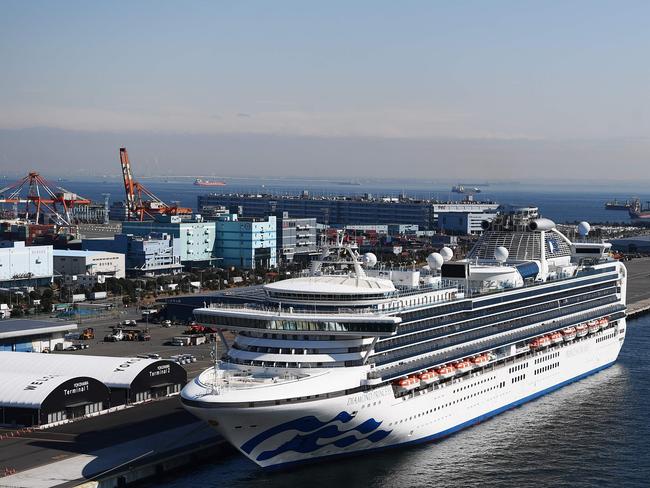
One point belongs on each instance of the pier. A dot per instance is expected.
(154, 438)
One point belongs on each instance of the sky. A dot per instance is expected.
(493, 89)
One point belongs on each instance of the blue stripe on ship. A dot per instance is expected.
(452, 430)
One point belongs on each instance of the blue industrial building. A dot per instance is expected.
(194, 239)
(246, 243)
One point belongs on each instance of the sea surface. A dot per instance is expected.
(593, 433)
(562, 204)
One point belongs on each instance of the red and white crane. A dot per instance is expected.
(40, 198)
(141, 202)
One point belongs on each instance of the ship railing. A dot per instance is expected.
(289, 310)
(479, 346)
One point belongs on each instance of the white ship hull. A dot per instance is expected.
(283, 435)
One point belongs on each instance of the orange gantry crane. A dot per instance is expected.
(40, 198)
(141, 202)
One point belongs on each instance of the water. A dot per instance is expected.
(561, 204)
(591, 433)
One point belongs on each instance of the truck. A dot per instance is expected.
(78, 297)
(116, 336)
(87, 334)
(98, 295)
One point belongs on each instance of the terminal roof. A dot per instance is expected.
(27, 327)
(114, 372)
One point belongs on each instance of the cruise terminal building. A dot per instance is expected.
(46, 388)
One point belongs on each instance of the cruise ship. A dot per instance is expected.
(352, 357)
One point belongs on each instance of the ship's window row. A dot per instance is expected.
(474, 384)
(605, 337)
(548, 367)
(519, 367)
(333, 297)
(547, 357)
(519, 378)
(449, 404)
(297, 325)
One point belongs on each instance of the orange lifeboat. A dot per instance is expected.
(480, 360)
(603, 323)
(569, 334)
(406, 384)
(446, 371)
(556, 338)
(540, 342)
(593, 326)
(581, 330)
(427, 377)
(463, 366)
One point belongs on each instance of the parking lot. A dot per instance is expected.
(159, 343)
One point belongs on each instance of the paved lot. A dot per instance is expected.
(160, 336)
(638, 285)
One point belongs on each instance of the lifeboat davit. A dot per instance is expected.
(540, 342)
(427, 377)
(463, 366)
(569, 333)
(556, 338)
(480, 360)
(446, 371)
(593, 326)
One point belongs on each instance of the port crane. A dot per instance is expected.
(40, 198)
(141, 202)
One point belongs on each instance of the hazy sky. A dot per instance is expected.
(486, 80)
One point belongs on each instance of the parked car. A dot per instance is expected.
(153, 356)
(166, 323)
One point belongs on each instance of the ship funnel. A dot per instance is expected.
(541, 224)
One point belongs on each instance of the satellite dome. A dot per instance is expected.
(435, 260)
(501, 254)
(369, 259)
(584, 228)
(446, 253)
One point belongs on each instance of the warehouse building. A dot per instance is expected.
(31, 399)
(22, 265)
(26, 335)
(129, 380)
(95, 263)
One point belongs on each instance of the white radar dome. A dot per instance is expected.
(446, 253)
(501, 254)
(435, 260)
(369, 259)
(584, 228)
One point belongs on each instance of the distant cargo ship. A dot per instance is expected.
(638, 212)
(201, 182)
(465, 190)
(616, 205)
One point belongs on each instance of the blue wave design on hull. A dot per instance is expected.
(303, 424)
(316, 431)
